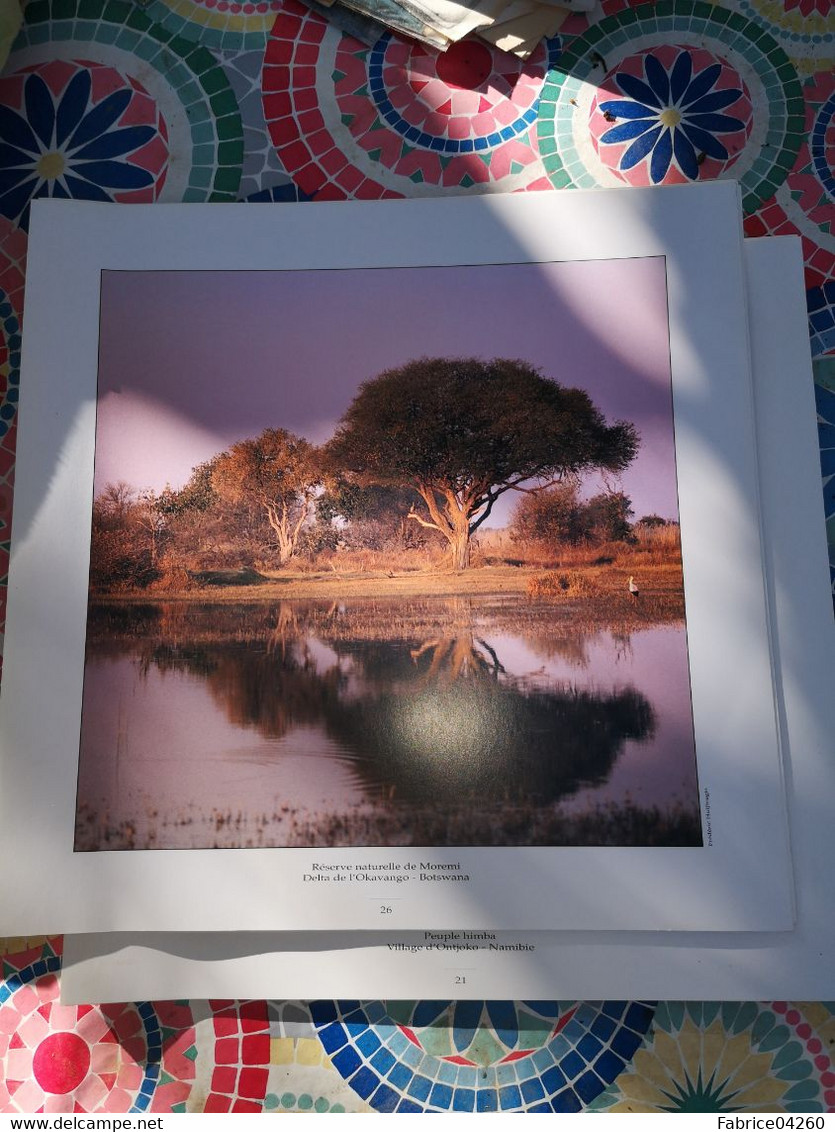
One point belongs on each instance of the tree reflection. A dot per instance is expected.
(422, 720)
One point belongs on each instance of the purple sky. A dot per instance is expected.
(192, 361)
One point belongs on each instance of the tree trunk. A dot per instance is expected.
(460, 543)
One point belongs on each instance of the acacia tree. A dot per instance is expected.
(279, 472)
(463, 431)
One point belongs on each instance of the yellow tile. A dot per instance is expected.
(639, 1089)
(762, 1094)
(668, 1053)
(308, 1051)
(645, 1064)
(690, 1048)
(736, 1050)
(281, 1051)
(713, 1045)
(757, 1066)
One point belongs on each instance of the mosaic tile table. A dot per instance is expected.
(221, 100)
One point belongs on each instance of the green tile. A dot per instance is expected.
(201, 61)
(547, 146)
(231, 153)
(156, 32)
(117, 11)
(107, 33)
(237, 41)
(196, 58)
(665, 8)
(796, 108)
(796, 125)
(175, 71)
(38, 34)
(227, 180)
(127, 40)
(214, 82)
(139, 21)
(561, 180)
(37, 11)
(203, 155)
(60, 32)
(190, 92)
(199, 114)
(203, 132)
(546, 129)
(193, 196)
(225, 105)
(181, 46)
(63, 9)
(201, 176)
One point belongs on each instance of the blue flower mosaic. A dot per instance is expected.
(673, 114)
(65, 146)
(480, 1056)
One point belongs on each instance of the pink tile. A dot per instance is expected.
(458, 128)
(47, 988)
(59, 1102)
(91, 1093)
(63, 1017)
(104, 1058)
(435, 93)
(465, 101)
(25, 1000)
(9, 1020)
(28, 1098)
(19, 1064)
(92, 1027)
(33, 1030)
(117, 1100)
(129, 1075)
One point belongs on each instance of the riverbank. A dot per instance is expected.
(596, 583)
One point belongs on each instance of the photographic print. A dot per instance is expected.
(386, 557)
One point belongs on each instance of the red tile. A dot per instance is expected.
(224, 1080)
(227, 1051)
(255, 1050)
(253, 1083)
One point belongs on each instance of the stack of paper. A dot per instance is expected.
(357, 739)
(512, 25)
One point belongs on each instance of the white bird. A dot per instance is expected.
(633, 589)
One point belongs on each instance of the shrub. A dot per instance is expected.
(568, 583)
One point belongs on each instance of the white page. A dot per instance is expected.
(797, 965)
(738, 879)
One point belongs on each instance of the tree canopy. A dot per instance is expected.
(463, 431)
(279, 471)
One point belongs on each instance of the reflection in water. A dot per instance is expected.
(388, 722)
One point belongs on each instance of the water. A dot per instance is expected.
(395, 721)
